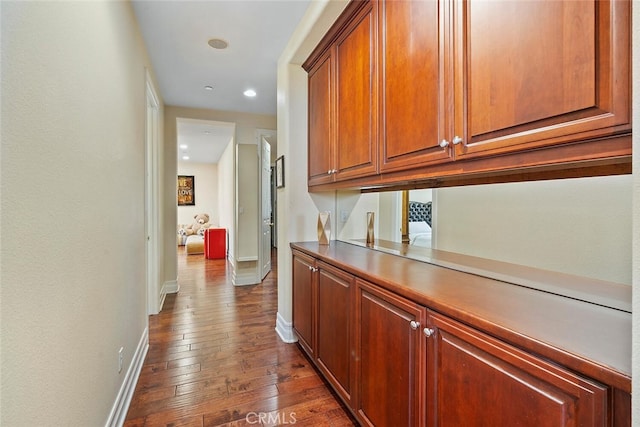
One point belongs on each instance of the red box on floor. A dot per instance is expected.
(215, 243)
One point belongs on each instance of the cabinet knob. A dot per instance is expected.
(456, 140)
(414, 325)
(428, 332)
(444, 143)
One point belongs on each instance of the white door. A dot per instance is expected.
(265, 180)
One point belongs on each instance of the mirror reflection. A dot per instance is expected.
(400, 216)
(417, 205)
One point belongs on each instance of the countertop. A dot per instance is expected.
(580, 323)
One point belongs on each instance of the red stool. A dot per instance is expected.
(215, 243)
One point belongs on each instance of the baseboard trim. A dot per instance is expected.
(123, 400)
(285, 330)
(244, 279)
(171, 286)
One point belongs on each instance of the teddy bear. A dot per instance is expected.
(200, 220)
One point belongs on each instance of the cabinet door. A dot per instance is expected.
(532, 74)
(476, 380)
(320, 122)
(334, 328)
(412, 83)
(390, 350)
(356, 98)
(304, 301)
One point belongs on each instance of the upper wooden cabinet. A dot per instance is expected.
(454, 90)
(343, 102)
(412, 84)
(321, 146)
(537, 74)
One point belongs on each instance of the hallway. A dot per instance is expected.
(215, 359)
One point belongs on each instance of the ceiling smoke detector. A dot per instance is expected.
(218, 44)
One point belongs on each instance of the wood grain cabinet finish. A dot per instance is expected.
(476, 380)
(472, 92)
(321, 139)
(343, 100)
(390, 372)
(396, 360)
(323, 319)
(304, 290)
(538, 74)
(412, 84)
(335, 323)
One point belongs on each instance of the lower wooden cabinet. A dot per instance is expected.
(335, 323)
(304, 301)
(395, 362)
(390, 354)
(476, 380)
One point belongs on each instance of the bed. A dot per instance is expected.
(420, 224)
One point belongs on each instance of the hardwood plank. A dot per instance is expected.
(214, 358)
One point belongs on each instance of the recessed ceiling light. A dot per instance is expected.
(207, 132)
(250, 93)
(183, 146)
(218, 44)
(185, 157)
(208, 88)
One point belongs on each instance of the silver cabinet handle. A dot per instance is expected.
(414, 325)
(329, 172)
(428, 332)
(334, 171)
(456, 140)
(444, 143)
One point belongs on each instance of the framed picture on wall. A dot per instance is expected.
(280, 172)
(186, 190)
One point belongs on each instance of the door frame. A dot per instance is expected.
(260, 134)
(155, 296)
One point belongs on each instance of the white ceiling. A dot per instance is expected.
(176, 35)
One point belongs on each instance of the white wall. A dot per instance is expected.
(297, 209)
(356, 205)
(226, 192)
(247, 196)
(575, 226)
(73, 222)
(206, 194)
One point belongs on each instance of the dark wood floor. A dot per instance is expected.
(215, 359)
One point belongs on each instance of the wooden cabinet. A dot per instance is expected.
(412, 84)
(398, 355)
(476, 380)
(321, 145)
(459, 91)
(335, 323)
(390, 358)
(304, 288)
(343, 102)
(520, 86)
(323, 319)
